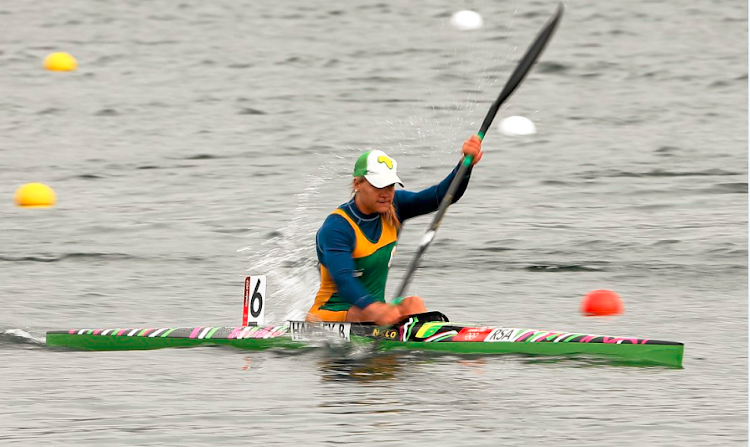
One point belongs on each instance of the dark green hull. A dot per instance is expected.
(124, 343)
(664, 355)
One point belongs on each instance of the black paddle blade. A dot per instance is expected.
(528, 59)
(523, 68)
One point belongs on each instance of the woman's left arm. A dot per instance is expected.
(411, 204)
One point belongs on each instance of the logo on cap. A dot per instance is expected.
(385, 160)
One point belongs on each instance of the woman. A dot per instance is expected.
(357, 241)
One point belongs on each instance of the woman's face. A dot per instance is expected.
(370, 199)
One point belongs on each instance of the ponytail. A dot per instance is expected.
(391, 217)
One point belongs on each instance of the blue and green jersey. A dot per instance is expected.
(355, 249)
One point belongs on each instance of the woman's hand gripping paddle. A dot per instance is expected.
(522, 69)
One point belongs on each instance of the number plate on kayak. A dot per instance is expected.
(304, 330)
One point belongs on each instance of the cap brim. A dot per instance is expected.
(383, 179)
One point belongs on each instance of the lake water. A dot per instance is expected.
(199, 142)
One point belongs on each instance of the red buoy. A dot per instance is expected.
(602, 303)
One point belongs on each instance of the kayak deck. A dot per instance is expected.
(415, 333)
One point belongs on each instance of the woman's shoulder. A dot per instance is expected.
(335, 230)
(335, 221)
(334, 218)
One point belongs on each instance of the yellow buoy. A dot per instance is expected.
(35, 195)
(60, 62)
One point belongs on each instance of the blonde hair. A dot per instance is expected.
(390, 215)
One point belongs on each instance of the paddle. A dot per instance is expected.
(522, 69)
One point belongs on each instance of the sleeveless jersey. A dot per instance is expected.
(371, 262)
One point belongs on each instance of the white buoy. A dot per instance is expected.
(466, 20)
(517, 125)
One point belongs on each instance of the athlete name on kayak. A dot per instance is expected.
(303, 330)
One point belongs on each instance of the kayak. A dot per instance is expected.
(430, 331)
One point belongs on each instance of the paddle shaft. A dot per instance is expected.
(520, 72)
(430, 234)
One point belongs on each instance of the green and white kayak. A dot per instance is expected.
(429, 332)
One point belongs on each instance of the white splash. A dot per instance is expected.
(289, 260)
(20, 333)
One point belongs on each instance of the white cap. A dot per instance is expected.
(378, 168)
